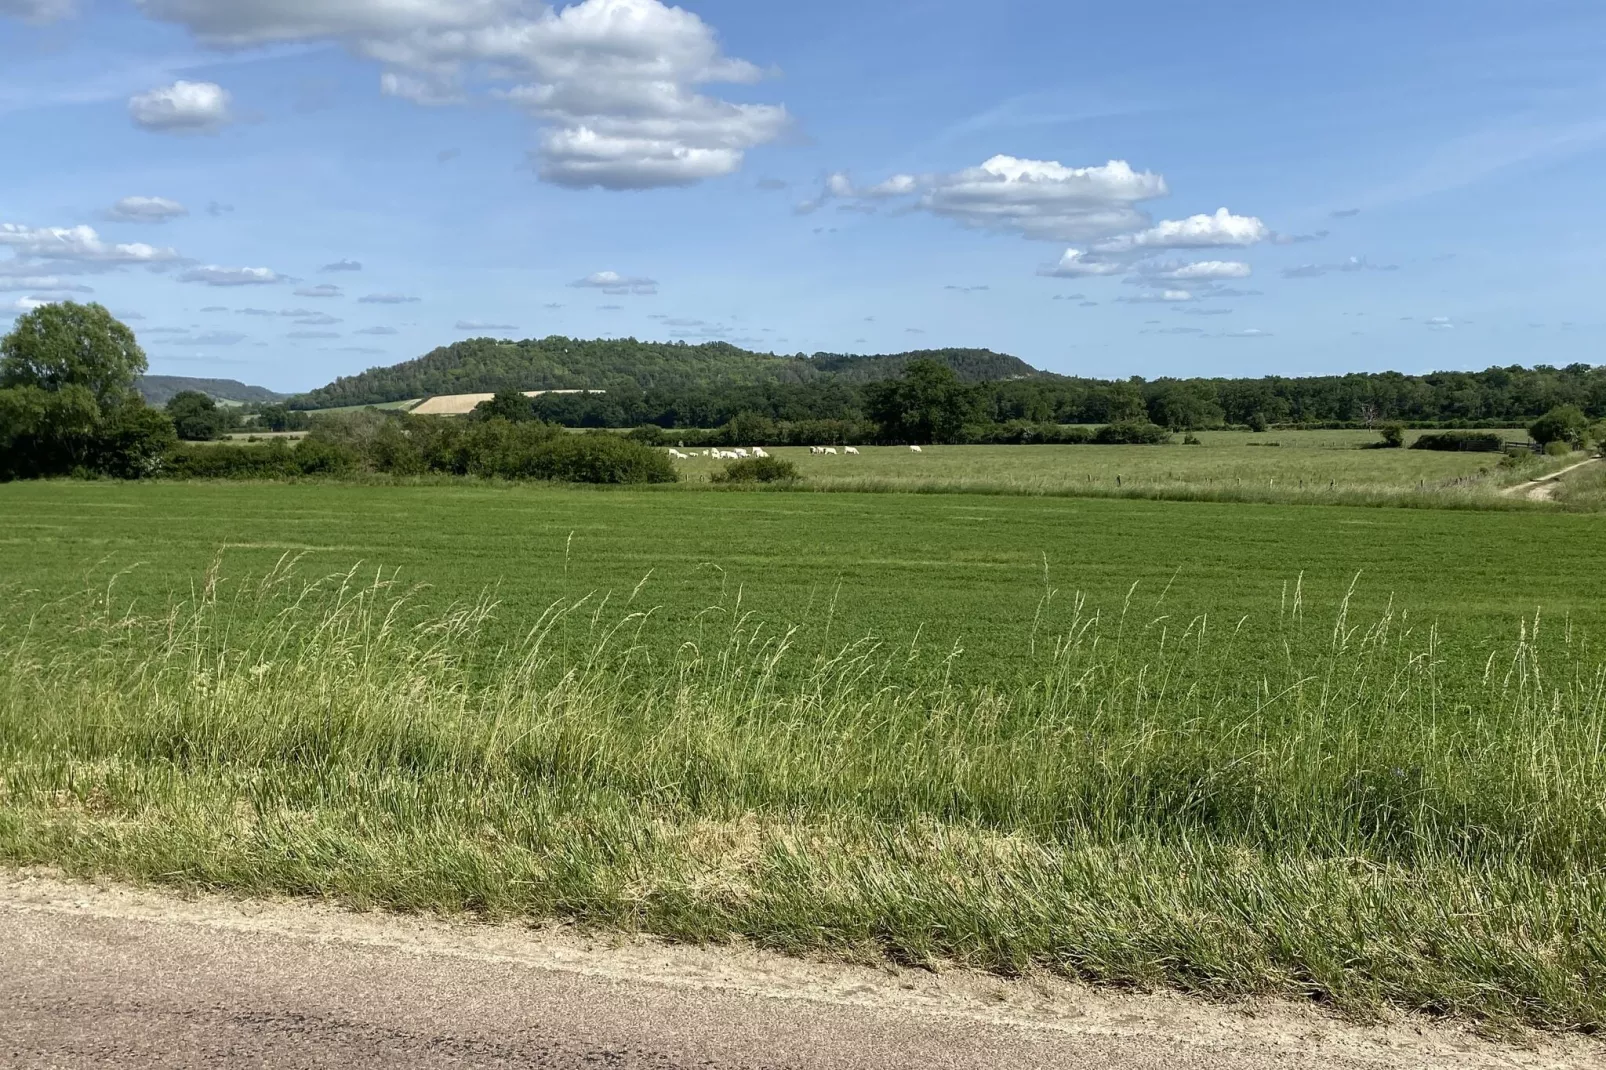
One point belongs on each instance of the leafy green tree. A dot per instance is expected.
(1183, 409)
(929, 404)
(134, 441)
(1393, 435)
(46, 432)
(509, 405)
(196, 416)
(749, 428)
(67, 400)
(279, 418)
(1564, 423)
(71, 344)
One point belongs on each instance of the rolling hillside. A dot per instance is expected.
(157, 389)
(485, 365)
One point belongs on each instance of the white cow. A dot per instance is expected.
(915, 449)
(850, 451)
(758, 451)
(830, 451)
(738, 451)
(816, 450)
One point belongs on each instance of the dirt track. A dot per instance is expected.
(114, 977)
(1544, 488)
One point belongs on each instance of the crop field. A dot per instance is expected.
(1350, 754)
(1293, 466)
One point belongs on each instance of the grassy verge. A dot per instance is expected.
(1346, 810)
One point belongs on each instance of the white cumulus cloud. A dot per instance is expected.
(182, 108)
(147, 210)
(1195, 232)
(611, 282)
(615, 82)
(212, 275)
(1198, 271)
(81, 244)
(1039, 199)
(1076, 264)
(1160, 297)
(20, 283)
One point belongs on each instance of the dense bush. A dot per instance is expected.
(1461, 441)
(1564, 423)
(229, 460)
(410, 446)
(1131, 433)
(1023, 433)
(599, 458)
(1393, 435)
(196, 417)
(279, 418)
(758, 470)
(133, 441)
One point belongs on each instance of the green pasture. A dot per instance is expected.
(1352, 755)
(1295, 466)
(930, 572)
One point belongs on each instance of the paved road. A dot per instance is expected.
(117, 978)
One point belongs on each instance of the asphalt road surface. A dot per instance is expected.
(113, 977)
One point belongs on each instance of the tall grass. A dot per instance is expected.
(1352, 812)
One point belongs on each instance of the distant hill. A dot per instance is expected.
(485, 365)
(972, 365)
(157, 389)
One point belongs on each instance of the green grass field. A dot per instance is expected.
(1294, 466)
(1353, 754)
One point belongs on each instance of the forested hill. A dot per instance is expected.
(971, 365)
(157, 389)
(485, 365)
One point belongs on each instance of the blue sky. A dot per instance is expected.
(1411, 186)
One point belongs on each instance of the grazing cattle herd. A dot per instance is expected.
(739, 453)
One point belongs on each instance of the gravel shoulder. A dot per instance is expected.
(103, 975)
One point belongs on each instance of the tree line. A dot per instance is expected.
(68, 406)
(1498, 397)
(679, 386)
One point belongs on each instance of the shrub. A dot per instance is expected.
(1564, 423)
(134, 441)
(1461, 441)
(1558, 448)
(1191, 439)
(1132, 433)
(758, 470)
(274, 460)
(647, 435)
(196, 416)
(315, 456)
(1393, 435)
(600, 458)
